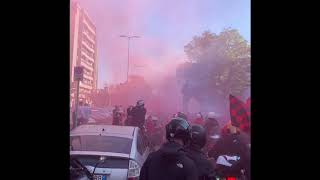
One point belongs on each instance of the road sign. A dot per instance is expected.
(78, 73)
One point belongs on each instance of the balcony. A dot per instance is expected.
(88, 57)
(87, 46)
(89, 38)
(89, 26)
(88, 77)
(85, 86)
(85, 65)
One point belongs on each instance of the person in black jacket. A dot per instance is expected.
(231, 153)
(213, 129)
(170, 162)
(129, 115)
(138, 114)
(116, 116)
(194, 151)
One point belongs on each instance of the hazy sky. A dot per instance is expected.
(165, 26)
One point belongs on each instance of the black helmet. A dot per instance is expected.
(198, 136)
(178, 128)
(182, 115)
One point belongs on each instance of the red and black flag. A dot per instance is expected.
(248, 107)
(239, 115)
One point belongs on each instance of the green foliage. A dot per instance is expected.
(224, 62)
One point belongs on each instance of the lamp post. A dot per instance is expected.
(128, 37)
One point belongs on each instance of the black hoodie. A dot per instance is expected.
(169, 163)
(138, 116)
(204, 166)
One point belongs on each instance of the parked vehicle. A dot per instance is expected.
(111, 152)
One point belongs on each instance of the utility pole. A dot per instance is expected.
(128, 37)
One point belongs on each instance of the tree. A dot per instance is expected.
(220, 64)
(229, 44)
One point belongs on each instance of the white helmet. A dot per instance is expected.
(199, 115)
(212, 115)
(154, 118)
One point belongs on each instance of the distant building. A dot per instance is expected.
(83, 52)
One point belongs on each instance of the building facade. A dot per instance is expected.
(83, 52)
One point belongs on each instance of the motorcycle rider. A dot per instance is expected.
(170, 162)
(150, 124)
(181, 115)
(129, 115)
(212, 124)
(194, 151)
(199, 120)
(231, 153)
(212, 128)
(116, 115)
(138, 115)
(154, 132)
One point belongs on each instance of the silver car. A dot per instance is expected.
(110, 152)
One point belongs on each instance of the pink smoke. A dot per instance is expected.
(154, 53)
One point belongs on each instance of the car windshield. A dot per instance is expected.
(101, 143)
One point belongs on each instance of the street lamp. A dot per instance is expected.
(128, 37)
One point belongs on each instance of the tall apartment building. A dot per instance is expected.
(83, 52)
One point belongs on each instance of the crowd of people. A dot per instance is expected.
(184, 156)
(198, 148)
(186, 148)
(134, 115)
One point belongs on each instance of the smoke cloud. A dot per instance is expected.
(164, 26)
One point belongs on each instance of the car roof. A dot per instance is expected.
(127, 131)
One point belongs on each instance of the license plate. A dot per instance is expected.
(99, 177)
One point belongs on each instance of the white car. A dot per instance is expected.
(117, 152)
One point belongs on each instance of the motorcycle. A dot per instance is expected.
(225, 167)
(241, 177)
(229, 178)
